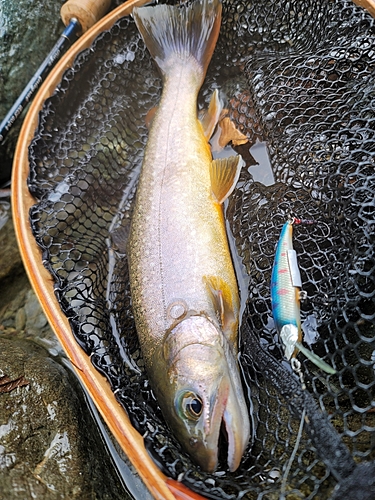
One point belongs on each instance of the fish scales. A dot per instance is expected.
(183, 285)
(179, 233)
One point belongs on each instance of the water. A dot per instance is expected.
(262, 170)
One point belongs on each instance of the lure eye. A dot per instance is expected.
(191, 405)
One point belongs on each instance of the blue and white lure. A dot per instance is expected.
(286, 295)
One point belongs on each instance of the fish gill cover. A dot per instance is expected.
(299, 77)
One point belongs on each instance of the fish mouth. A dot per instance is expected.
(236, 440)
(230, 430)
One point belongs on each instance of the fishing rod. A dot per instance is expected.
(78, 16)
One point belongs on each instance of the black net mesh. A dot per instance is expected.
(299, 78)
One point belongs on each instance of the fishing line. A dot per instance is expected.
(292, 457)
(296, 366)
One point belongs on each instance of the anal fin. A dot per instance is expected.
(150, 116)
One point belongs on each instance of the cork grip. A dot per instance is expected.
(87, 12)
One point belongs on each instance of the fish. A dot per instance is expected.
(286, 295)
(183, 285)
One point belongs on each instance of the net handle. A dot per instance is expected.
(369, 5)
(87, 12)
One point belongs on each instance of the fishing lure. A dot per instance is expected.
(286, 295)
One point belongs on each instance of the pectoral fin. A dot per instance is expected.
(224, 176)
(150, 116)
(210, 117)
(221, 296)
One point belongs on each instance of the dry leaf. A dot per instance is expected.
(229, 133)
(7, 385)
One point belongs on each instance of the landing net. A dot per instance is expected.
(298, 78)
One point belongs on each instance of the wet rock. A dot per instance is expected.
(20, 319)
(10, 261)
(50, 447)
(20, 311)
(34, 317)
(24, 318)
(21, 53)
(13, 280)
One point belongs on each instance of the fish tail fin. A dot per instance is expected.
(180, 32)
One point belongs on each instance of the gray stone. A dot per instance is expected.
(50, 447)
(28, 31)
(10, 262)
(20, 319)
(35, 319)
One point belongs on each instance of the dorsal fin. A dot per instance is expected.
(210, 117)
(224, 176)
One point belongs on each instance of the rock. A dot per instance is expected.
(13, 279)
(20, 319)
(35, 319)
(20, 311)
(10, 262)
(21, 53)
(50, 446)
(24, 318)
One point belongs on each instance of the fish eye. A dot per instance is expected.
(191, 405)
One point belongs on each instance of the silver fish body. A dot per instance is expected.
(183, 285)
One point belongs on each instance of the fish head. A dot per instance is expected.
(203, 399)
